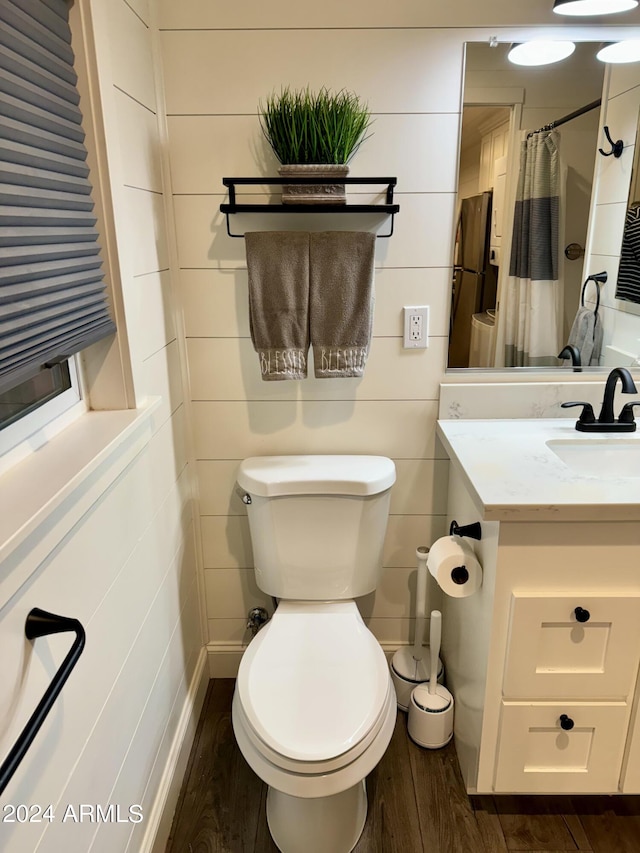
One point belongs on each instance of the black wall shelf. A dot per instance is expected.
(386, 209)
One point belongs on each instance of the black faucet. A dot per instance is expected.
(606, 415)
(606, 421)
(571, 351)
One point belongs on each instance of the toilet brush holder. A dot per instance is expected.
(430, 726)
(407, 673)
(430, 722)
(410, 664)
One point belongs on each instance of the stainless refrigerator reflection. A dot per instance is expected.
(475, 278)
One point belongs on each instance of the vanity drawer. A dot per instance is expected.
(552, 654)
(537, 755)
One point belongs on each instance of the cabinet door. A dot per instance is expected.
(536, 755)
(631, 777)
(552, 654)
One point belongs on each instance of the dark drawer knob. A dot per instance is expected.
(566, 722)
(582, 615)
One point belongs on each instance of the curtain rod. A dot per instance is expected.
(553, 124)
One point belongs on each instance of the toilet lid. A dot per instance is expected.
(314, 681)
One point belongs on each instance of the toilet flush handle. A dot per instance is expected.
(244, 497)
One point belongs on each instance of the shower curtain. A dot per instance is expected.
(530, 310)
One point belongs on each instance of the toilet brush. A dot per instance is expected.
(430, 720)
(409, 663)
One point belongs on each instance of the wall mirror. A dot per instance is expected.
(501, 103)
(624, 297)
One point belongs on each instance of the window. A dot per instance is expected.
(52, 291)
(38, 423)
(41, 388)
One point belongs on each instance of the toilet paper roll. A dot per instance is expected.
(454, 565)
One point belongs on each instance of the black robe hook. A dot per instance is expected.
(616, 147)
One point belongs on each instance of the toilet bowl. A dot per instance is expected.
(313, 712)
(314, 707)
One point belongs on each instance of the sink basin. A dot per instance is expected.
(599, 457)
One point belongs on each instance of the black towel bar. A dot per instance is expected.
(386, 209)
(598, 279)
(40, 623)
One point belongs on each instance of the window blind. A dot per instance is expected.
(53, 299)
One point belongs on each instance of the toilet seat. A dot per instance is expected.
(313, 686)
(315, 779)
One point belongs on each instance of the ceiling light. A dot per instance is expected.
(622, 51)
(540, 52)
(592, 7)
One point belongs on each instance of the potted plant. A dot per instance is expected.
(314, 133)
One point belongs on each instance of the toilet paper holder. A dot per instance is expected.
(472, 531)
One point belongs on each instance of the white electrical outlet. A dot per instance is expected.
(416, 327)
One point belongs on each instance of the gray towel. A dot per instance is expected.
(586, 334)
(341, 301)
(278, 266)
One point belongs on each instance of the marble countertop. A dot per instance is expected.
(513, 475)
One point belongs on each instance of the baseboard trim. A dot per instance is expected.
(224, 658)
(161, 815)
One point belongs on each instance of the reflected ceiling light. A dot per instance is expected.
(592, 7)
(621, 51)
(540, 52)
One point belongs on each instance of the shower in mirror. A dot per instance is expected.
(502, 102)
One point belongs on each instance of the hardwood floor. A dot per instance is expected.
(417, 804)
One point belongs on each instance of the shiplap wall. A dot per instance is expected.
(218, 62)
(127, 569)
(621, 320)
(213, 131)
(162, 662)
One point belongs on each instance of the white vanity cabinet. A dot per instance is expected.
(567, 686)
(543, 661)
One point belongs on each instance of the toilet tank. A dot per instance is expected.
(317, 523)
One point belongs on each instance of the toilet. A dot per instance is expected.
(314, 706)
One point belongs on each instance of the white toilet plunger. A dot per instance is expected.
(409, 663)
